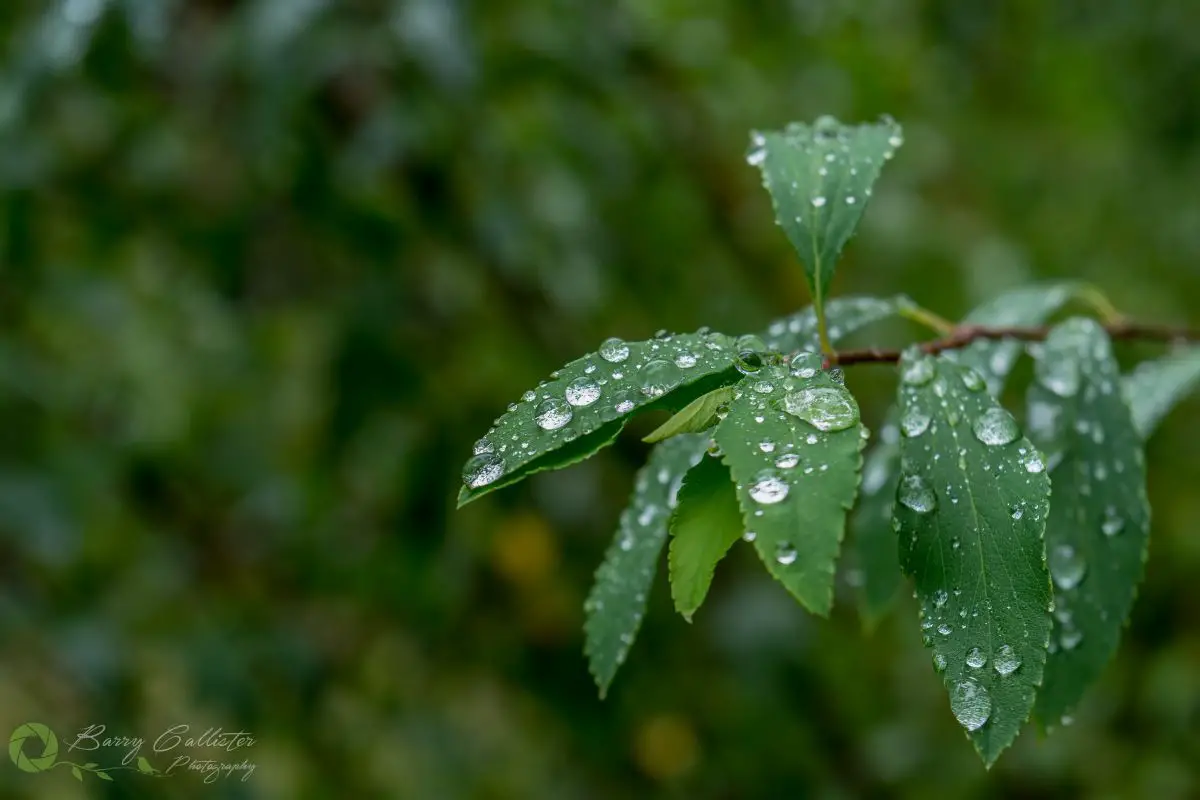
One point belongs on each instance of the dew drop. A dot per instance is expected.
(818, 201)
(824, 408)
(914, 422)
(787, 461)
(944, 629)
(624, 406)
(482, 469)
(482, 446)
(685, 360)
(1016, 512)
(658, 377)
(613, 350)
(785, 553)
(582, 392)
(939, 662)
(971, 704)
(767, 446)
(1059, 375)
(1070, 639)
(1034, 463)
(940, 597)
(918, 371)
(1113, 522)
(764, 387)
(972, 380)
(805, 365)
(552, 414)
(975, 658)
(995, 427)
(916, 495)
(748, 362)
(768, 488)
(1006, 661)
(837, 375)
(1067, 566)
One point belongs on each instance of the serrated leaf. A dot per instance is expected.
(1154, 387)
(705, 524)
(871, 536)
(794, 448)
(978, 565)
(617, 601)
(698, 415)
(843, 315)
(591, 397)
(820, 177)
(1098, 532)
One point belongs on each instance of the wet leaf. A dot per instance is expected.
(820, 177)
(1098, 532)
(617, 601)
(698, 415)
(705, 524)
(978, 566)
(795, 454)
(844, 316)
(1154, 387)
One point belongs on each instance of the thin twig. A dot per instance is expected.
(964, 335)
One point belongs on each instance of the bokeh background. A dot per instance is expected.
(267, 269)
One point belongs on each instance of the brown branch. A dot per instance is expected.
(964, 335)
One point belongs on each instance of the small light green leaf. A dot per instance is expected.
(592, 397)
(844, 316)
(698, 415)
(1098, 533)
(78, 775)
(1154, 387)
(820, 177)
(104, 776)
(794, 446)
(615, 606)
(143, 765)
(978, 565)
(871, 536)
(705, 524)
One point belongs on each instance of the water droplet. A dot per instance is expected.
(767, 446)
(944, 629)
(837, 375)
(659, 377)
(748, 362)
(995, 427)
(749, 341)
(552, 414)
(824, 408)
(939, 662)
(624, 406)
(529, 396)
(482, 446)
(764, 387)
(787, 461)
(972, 380)
(1071, 637)
(1034, 463)
(914, 422)
(805, 365)
(582, 392)
(971, 704)
(482, 469)
(785, 553)
(1016, 511)
(1113, 522)
(613, 350)
(1067, 566)
(685, 360)
(1006, 661)
(851, 200)
(918, 370)
(749, 536)
(768, 488)
(818, 201)
(940, 597)
(916, 495)
(975, 658)
(1059, 375)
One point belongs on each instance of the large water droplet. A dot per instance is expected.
(787, 461)
(915, 494)
(918, 370)
(914, 422)
(552, 414)
(658, 377)
(767, 446)
(482, 469)
(805, 365)
(1006, 661)
(1113, 522)
(748, 362)
(995, 427)
(750, 341)
(824, 408)
(976, 658)
(685, 360)
(582, 392)
(1059, 375)
(785, 553)
(614, 350)
(1067, 566)
(971, 704)
(768, 488)
(482, 446)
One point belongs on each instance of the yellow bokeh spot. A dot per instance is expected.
(524, 551)
(665, 746)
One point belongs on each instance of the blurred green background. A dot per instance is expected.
(268, 268)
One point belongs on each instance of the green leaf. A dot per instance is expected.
(615, 606)
(1154, 387)
(591, 397)
(794, 447)
(820, 177)
(75, 771)
(705, 524)
(143, 764)
(104, 776)
(1098, 532)
(844, 316)
(698, 415)
(971, 513)
(872, 540)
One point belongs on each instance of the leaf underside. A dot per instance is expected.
(705, 524)
(844, 316)
(1154, 387)
(1098, 532)
(971, 517)
(795, 482)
